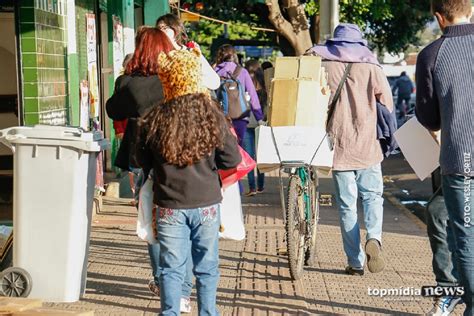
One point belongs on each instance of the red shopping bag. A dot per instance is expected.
(231, 176)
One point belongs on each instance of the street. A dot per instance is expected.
(254, 279)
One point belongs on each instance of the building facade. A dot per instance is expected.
(59, 58)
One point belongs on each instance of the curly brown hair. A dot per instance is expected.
(186, 129)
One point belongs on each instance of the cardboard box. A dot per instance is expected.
(16, 304)
(308, 67)
(52, 311)
(282, 111)
(294, 143)
(297, 102)
(286, 68)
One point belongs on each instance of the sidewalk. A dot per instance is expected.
(254, 279)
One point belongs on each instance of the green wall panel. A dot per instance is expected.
(31, 118)
(31, 105)
(74, 109)
(44, 61)
(153, 9)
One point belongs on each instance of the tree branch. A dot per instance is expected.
(282, 26)
(297, 15)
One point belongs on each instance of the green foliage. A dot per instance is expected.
(242, 14)
(389, 25)
(311, 8)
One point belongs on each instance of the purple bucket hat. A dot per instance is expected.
(346, 32)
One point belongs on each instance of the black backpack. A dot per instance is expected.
(231, 95)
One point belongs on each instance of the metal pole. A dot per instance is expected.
(328, 19)
(334, 14)
(226, 31)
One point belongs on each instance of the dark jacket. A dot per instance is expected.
(404, 85)
(133, 97)
(445, 94)
(386, 126)
(193, 186)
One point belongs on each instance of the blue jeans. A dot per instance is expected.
(441, 241)
(240, 127)
(249, 147)
(178, 231)
(459, 198)
(154, 252)
(367, 183)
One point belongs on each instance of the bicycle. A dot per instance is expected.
(301, 214)
(300, 210)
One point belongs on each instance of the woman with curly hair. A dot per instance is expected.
(137, 91)
(186, 139)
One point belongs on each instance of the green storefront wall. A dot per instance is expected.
(50, 73)
(42, 33)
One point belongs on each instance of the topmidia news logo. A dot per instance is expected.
(426, 291)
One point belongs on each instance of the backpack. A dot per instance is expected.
(231, 95)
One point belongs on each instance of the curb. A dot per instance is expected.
(396, 202)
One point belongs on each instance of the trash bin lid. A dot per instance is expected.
(53, 132)
(54, 135)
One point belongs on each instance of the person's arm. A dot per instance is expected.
(120, 105)
(143, 153)
(250, 88)
(229, 156)
(395, 87)
(210, 79)
(427, 103)
(382, 90)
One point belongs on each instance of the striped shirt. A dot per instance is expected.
(445, 96)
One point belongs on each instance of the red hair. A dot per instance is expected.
(150, 42)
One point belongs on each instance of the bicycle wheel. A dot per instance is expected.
(310, 253)
(295, 227)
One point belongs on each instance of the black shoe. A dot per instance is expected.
(354, 271)
(375, 260)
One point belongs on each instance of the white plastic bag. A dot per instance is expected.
(232, 219)
(145, 213)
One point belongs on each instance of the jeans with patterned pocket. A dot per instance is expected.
(178, 231)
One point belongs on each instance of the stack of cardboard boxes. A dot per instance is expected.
(299, 97)
(299, 92)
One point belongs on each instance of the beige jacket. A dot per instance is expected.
(354, 123)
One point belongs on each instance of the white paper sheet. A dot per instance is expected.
(295, 143)
(419, 148)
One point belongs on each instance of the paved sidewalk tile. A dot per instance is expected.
(255, 280)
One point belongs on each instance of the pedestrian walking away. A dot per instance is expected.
(256, 73)
(227, 63)
(137, 91)
(404, 87)
(445, 90)
(357, 151)
(187, 219)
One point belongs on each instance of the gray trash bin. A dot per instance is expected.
(54, 182)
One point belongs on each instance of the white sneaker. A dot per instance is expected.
(185, 306)
(443, 306)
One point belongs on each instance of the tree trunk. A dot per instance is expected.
(315, 29)
(296, 30)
